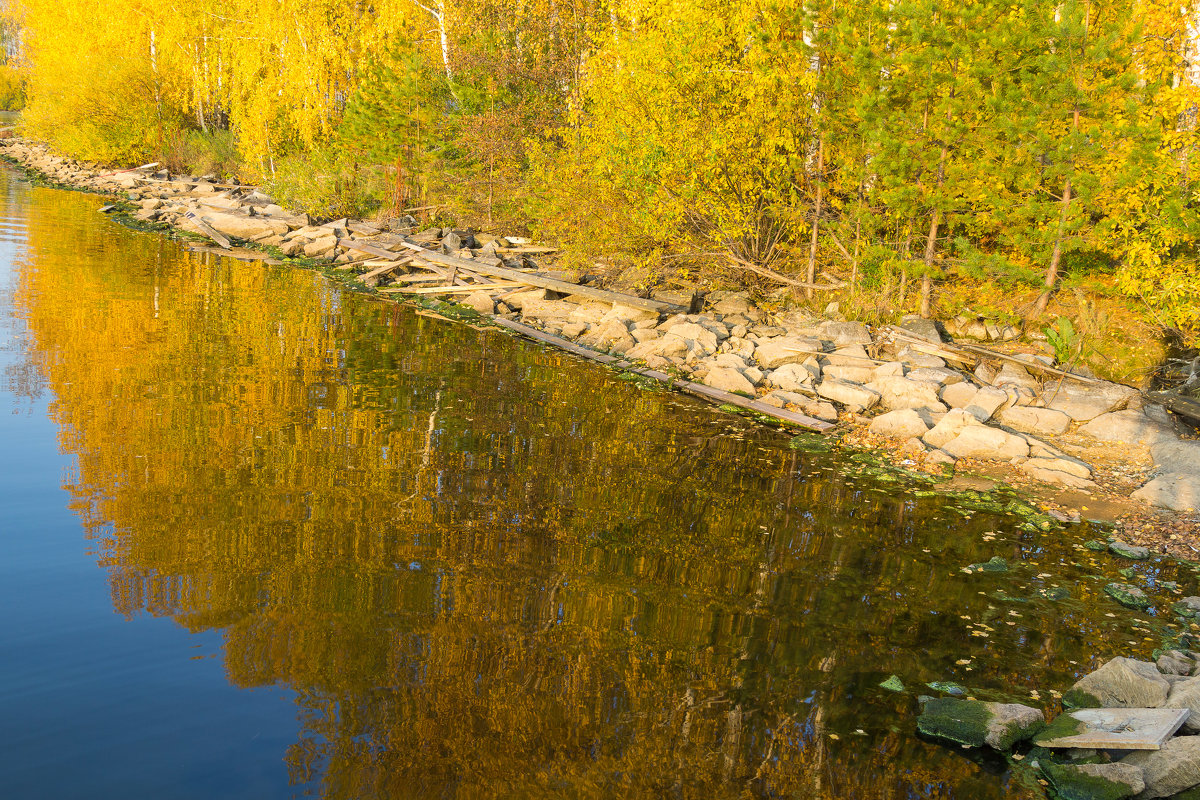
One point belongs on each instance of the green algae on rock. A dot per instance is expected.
(892, 684)
(975, 723)
(1094, 781)
(1128, 595)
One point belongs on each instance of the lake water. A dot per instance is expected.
(264, 537)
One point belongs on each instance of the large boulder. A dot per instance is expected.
(1083, 402)
(792, 378)
(698, 340)
(959, 395)
(1173, 768)
(987, 443)
(785, 350)
(1120, 683)
(987, 401)
(850, 395)
(244, 227)
(1185, 694)
(1094, 781)
(1035, 420)
(1131, 426)
(1059, 471)
(897, 392)
(844, 333)
(903, 423)
(975, 723)
(729, 380)
(1175, 491)
(950, 426)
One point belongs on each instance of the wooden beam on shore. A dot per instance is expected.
(543, 282)
(208, 230)
(700, 389)
(468, 289)
(367, 247)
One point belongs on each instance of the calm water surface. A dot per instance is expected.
(262, 538)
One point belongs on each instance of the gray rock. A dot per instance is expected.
(481, 302)
(975, 723)
(785, 350)
(959, 395)
(1169, 770)
(896, 392)
(1094, 781)
(1015, 375)
(698, 340)
(939, 375)
(918, 358)
(791, 377)
(1120, 683)
(986, 402)
(844, 333)
(1173, 491)
(1035, 420)
(850, 395)
(854, 374)
(1174, 662)
(1130, 426)
(889, 369)
(1127, 550)
(924, 328)
(1083, 402)
(1049, 470)
(850, 356)
(987, 443)
(902, 423)
(729, 380)
(1176, 456)
(1128, 595)
(949, 427)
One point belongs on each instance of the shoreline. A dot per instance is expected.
(1079, 447)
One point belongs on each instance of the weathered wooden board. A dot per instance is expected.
(468, 289)
(544, 282)
(367, 247)
(687, 386)
(208, 230)
(1121, 728)
(236, 252)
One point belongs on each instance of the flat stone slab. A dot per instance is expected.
(1119, 728)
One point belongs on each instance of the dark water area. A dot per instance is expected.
(263, 537)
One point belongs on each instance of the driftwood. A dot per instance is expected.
(208, 230)
(687, 386)
(543, 282)
(467, 289)
(1181, 404)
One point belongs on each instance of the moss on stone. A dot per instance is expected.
(1127, 595)
(1071, 783)
(1064, 725)
(892, 684)
(959, 721)
(1078, 698)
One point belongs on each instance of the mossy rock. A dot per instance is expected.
(1055, 592)
(1097, 545)
(1076, 698)
(1093, 781)
(975, 723)
(1065, 725)
(948, 687)
(1128, 596)
(993, 564)
(892, 684)
(1126, 550)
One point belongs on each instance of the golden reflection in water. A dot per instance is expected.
(483, 570)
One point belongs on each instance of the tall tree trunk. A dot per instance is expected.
(816, 223)
(1055, 256)
(931, 244)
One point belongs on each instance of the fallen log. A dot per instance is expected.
(542, 282)
(468, 289)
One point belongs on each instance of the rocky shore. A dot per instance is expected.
(934, 402)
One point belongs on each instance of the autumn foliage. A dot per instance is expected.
(912, 141)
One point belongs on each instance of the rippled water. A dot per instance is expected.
(263, 537)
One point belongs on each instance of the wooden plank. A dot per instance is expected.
(526, 250)
(468, 289)
(367, 247)
(546, 283)
(207, 230)
(375, 273)
(700, 389)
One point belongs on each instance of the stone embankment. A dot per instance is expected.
(939, 401)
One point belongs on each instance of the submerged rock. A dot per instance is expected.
(1173, 768)
(948, 687)
(1127, 595)
(892, 684)
(993, 564)
(1127, 550)
(1094, 781)
(1121, 683)
(976, 723)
